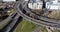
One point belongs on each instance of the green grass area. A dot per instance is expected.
(26, 26)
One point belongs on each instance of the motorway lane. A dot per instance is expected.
(16, 24)
(42, 22)
(11, 24)
(7, 20)
(10, 17)
(43, 18)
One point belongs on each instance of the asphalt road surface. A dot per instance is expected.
(42, 21)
